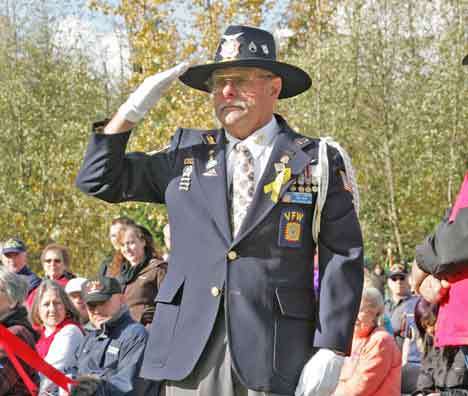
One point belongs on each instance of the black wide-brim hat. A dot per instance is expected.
(245, 46)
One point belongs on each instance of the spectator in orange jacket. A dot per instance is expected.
(374, 367)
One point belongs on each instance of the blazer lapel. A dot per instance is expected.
(262, 203)
(211, 174)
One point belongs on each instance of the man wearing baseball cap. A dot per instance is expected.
(15, 259)
(237, 313)
(400, 308)
(109, 358)
(74, 290)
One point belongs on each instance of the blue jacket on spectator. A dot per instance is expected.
(113, 354)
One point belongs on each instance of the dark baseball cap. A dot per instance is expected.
(13, 245)
(397, 270)
(100, 290)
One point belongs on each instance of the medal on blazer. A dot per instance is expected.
(186, 178)
(212, 162)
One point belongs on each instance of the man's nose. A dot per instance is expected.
(229, 88)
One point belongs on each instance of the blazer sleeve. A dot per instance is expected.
(111, 174)
(340, 251)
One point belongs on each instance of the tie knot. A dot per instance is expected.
(243, 149)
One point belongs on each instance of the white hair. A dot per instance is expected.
(374, 298)
(15, 286)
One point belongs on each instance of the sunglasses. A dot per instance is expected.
(397, 278)
(52, 260)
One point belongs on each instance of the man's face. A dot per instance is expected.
(53, 264)
(100, 313)
(244, 98)
(399, 285)
(14, 261)
(77, 300)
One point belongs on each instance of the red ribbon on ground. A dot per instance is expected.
(16, 347)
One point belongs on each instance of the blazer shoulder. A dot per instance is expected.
(190, 137)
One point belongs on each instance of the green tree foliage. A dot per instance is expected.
(47, 99)
(389, 85)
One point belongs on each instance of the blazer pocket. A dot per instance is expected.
(294, 320)
(165, 319)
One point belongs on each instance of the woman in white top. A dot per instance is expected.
(60, 330)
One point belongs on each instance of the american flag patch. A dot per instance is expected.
(346, 184)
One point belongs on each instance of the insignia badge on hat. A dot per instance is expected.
(265, 49)
(230, 47)
(252, 47)
(93, 287)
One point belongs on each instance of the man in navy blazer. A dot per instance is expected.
(237, 313)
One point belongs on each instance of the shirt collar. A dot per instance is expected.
(259, 140)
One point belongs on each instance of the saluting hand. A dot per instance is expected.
(149, 92)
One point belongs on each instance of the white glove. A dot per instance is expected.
(149, 92)
(320, 375)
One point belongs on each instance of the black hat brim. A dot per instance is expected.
(294, 79)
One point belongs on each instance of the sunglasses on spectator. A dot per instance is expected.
(397, 278)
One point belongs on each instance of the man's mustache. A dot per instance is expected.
(236, 103)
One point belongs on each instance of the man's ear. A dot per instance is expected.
(276, 86)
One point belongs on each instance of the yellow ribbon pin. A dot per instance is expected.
(275, 186)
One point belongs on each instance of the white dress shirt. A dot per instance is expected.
(260, 144)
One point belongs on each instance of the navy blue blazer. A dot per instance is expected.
(263, 276)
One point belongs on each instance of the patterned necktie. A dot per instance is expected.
(243, 186)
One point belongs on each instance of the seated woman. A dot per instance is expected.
(140, 271)
(443, 370)
(374, 366)
(55, 261)
(61, 331)
(13, 290)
